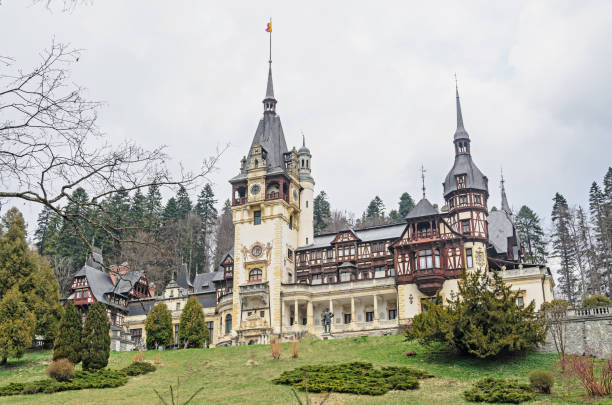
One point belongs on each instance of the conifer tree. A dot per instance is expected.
(564, 250)
(41, 295)
(159, 326)
(532, 236)
(47, 227)
(600, 220)
(69, 242)
(375, 209)
(154, 209)
(321, 212)
(137, 210)
(95, 339)
(406, 204)
(225, 232)
(205, 209)
(17, 263)
(16, 325)
(183, 203)
(68, 342)
(170, 214)
(483, 320)
(193, 331)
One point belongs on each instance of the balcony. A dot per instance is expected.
(429, 281)
(239, 201)
(254, 289)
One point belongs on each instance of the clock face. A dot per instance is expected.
(295, 194)
(255, 188)
(256, 251)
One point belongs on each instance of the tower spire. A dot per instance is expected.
(459, 115)
(269, 102)
(423, 179)
(504, 200)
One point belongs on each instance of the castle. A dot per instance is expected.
(280, 277)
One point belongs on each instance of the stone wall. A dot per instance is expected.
(588, 331)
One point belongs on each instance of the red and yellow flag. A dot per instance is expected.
(269, 27)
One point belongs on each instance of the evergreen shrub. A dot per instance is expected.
(192, 328)
(355, 378)
(138, 368)
(68, 342)
(494, 390)
(596, 300)
(95, 340)
(541, 381)
(61, 370)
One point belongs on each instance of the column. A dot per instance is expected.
(353, 319)
(331, 309)
(309, 317)
(295, 313)
(375, 308)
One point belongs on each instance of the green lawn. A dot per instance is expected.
(228, 380)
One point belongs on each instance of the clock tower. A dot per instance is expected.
(272, 205)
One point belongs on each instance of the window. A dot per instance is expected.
(290, 254)
(306, 204)
(304, 321)
(465, 226)
(477, 199)
(425, 259)
(468, 258)
(210, 325)
(262, 314)
(256, 217)
(291, 222)
(317, 279)
(460, 181)
(347, 318)
(520, 301)
(379, 272)
(78, 294)
(463, 200)
(255, 275)
(378, 247)
(228, 323)
(392, 314)
(345, 276)
(369, 316)
(178, 306)
(437, 258)
(136, 335)
(307, 240)
(330, 253)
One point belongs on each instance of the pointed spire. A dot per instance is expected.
(504, 200)
(270, 87)
(423, 179)
(303, 140)
(460, 133)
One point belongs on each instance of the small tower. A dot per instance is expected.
(304, 157)
(307, 183)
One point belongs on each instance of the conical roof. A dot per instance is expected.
(460, 132)
(270, 86)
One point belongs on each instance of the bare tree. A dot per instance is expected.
(340, 220)
(64, 271)
(50, 145)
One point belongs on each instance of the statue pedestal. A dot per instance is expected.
(327, 335)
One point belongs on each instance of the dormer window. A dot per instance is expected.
(460, 181)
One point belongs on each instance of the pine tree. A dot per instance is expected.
(154, 209)
(47, 228)
(406, 205)
(170, 214)
(205, 209)
(16, 325)
(225, 232)
(95, 339)
(68, 342)
(159, 327)
(183, 203)
(138, 215)
(193, 331)
(531, 235)
(586, 254)
(563, 249)
(69, 242)
(321, 212)
(603, 248)
(375, 209)
(17, 264)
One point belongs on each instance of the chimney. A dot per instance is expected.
(435, 206)
(152, 289)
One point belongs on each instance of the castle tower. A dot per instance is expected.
(272, 212)
(466, 193)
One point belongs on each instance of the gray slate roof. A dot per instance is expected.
(366, 235)
(127, 281)
(422, 209)
(500, 229)
(99, 282)
(182, 278)
(203, 282)
(474, 177)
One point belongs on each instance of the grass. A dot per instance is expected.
(228, 380)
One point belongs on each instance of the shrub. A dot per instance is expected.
(541, 381)
(68, 342)
(356, 378)
(192, 328)
(493, 390)
(583, 369)
(138, 368)
(159, 326)
(483, 321)
(596, 300)
(61, 370)
(275, 348)
(95, 340)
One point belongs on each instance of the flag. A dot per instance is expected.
(269, 27)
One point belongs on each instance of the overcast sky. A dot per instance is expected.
(370, 84)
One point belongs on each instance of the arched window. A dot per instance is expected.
(228, 323)
(256, 163)
(302, 162)
(255, 275)
(291, 222)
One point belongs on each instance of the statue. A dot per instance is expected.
(327, 317)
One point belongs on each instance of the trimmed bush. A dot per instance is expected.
(355, 378)
(68, 342)
(95, 341)
(159, 327)
(138, 368)
(61, 370)
(493, 390)
(541, 381)
(192, 328)
(82, 380)
(596, 300)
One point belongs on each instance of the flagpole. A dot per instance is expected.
(270, 59)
